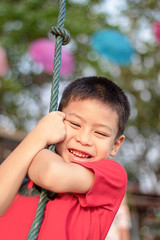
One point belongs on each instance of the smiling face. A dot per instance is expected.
(91, 129)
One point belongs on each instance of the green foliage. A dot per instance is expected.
(24, 21)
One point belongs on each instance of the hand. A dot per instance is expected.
(51, 128)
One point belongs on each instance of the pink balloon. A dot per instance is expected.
(156, 29)
(42, 51)
(3, 62)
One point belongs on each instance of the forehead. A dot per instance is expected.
(90, 101)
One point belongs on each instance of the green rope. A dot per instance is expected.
(62, 37)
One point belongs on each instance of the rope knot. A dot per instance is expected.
(57, 31)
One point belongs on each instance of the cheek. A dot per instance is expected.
(103, 150)
(70, 132)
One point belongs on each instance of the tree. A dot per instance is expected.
(22, 89)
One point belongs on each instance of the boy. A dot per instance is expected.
(88, 129)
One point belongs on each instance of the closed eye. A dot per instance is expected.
(102, 134)
(74, 124)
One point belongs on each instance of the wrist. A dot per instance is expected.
(36, 140)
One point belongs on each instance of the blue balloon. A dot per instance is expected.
(113, 45)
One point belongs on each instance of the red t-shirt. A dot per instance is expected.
(71, 216)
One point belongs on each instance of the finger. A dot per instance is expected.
(62, 114)
(61, 140)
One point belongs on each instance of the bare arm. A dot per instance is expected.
(124, 234)
(49, 171)
(14, 168)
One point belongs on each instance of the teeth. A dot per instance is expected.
(78, 154)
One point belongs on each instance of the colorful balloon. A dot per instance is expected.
(42, 52)
(113, 45)
(156, 29)
(4, 67)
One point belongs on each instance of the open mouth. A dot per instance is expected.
(79, 154)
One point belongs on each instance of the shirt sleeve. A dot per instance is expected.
(109, 185)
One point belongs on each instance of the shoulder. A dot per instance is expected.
(107, 168)
(108, 173)
(110, 183)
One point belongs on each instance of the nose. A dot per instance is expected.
(84, 137)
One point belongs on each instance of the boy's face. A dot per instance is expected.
(91, 129)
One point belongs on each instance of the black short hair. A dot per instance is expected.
(101, 89)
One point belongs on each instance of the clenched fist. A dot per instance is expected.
(51, 128)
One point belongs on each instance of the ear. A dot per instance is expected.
(117, 144)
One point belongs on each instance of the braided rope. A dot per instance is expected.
(62, 37)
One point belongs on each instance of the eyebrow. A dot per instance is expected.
(98, 124)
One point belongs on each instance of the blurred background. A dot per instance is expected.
(116, 39)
